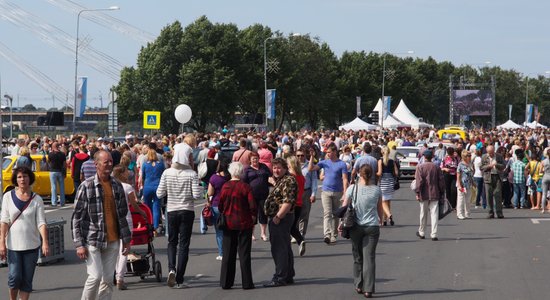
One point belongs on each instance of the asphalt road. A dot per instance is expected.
(474, 259)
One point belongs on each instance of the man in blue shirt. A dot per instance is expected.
(367, 158)
(335, 185)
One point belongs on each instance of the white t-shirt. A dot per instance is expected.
(181, 153)
(477, 167)
(128, 189)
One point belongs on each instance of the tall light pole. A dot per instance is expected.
(265, 66)
(76, 57)
(384, 82)
(10, 99)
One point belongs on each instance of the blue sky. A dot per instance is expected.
(511, 34)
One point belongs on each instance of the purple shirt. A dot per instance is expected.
(217, 182)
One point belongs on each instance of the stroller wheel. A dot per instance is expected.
(157, 269)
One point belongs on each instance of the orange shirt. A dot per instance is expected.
(109, 212)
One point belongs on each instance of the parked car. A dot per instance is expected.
(42, 185)
(407, 157)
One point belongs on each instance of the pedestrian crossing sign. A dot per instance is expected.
(151, 119)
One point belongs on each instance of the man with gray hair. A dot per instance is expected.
(430, 188)
(492, 166)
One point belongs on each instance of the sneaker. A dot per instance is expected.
(293, 240)
(476, 207)
(327, 240)
(435, 239)
(121, 285)
(181, 286)
(332, 240)
(302, 248)
(171, 278)
(219, 257)
(420, 236)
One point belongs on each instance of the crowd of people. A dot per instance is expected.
(271, 180)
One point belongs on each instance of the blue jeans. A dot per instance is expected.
(21, 265)
(219, 232)
(57, 178)
(480, 192)
(150, 199)
(519, 193)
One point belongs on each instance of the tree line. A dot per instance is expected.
(218, 70)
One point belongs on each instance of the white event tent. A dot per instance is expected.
(390, 121)
(534, 124)
(509, 125)
(358, 124)
(404, 114)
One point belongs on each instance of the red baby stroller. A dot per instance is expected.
(139, 263)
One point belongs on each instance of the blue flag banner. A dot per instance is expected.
(81, 96)
(270, 103)
(386, 106)
(529, 113)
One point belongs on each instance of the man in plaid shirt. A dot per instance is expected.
(518, 168)
(98, 225)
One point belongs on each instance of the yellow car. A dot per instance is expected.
(41, 184)
(451, 133)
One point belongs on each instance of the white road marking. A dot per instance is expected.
(537, 221)
(60, 208)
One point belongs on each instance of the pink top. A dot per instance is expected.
(265, 157)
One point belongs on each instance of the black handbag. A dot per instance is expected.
(349, 221)
(396, 184)
(221, 222)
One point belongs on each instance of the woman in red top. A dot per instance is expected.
(239, 208)
(295, 169)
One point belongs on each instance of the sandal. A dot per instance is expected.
(391, 220)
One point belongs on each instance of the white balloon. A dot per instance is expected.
(183, 113)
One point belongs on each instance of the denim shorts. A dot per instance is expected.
(21, 265)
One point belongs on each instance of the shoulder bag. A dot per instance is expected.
(349, 219)
(21, 212)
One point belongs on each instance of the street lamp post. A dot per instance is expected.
(265, 67)
(384, 83)
(76, 57)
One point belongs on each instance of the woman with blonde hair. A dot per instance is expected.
(24, 159)
(151, 171)
(387, 172)
(464, 184)
(295, 169)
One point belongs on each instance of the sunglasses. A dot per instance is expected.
(299, 155)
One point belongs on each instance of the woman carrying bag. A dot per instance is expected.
(22, 231)
(366, 199)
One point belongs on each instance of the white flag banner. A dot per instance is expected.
(358, 99)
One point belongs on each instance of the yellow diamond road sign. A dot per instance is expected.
(151, 119)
